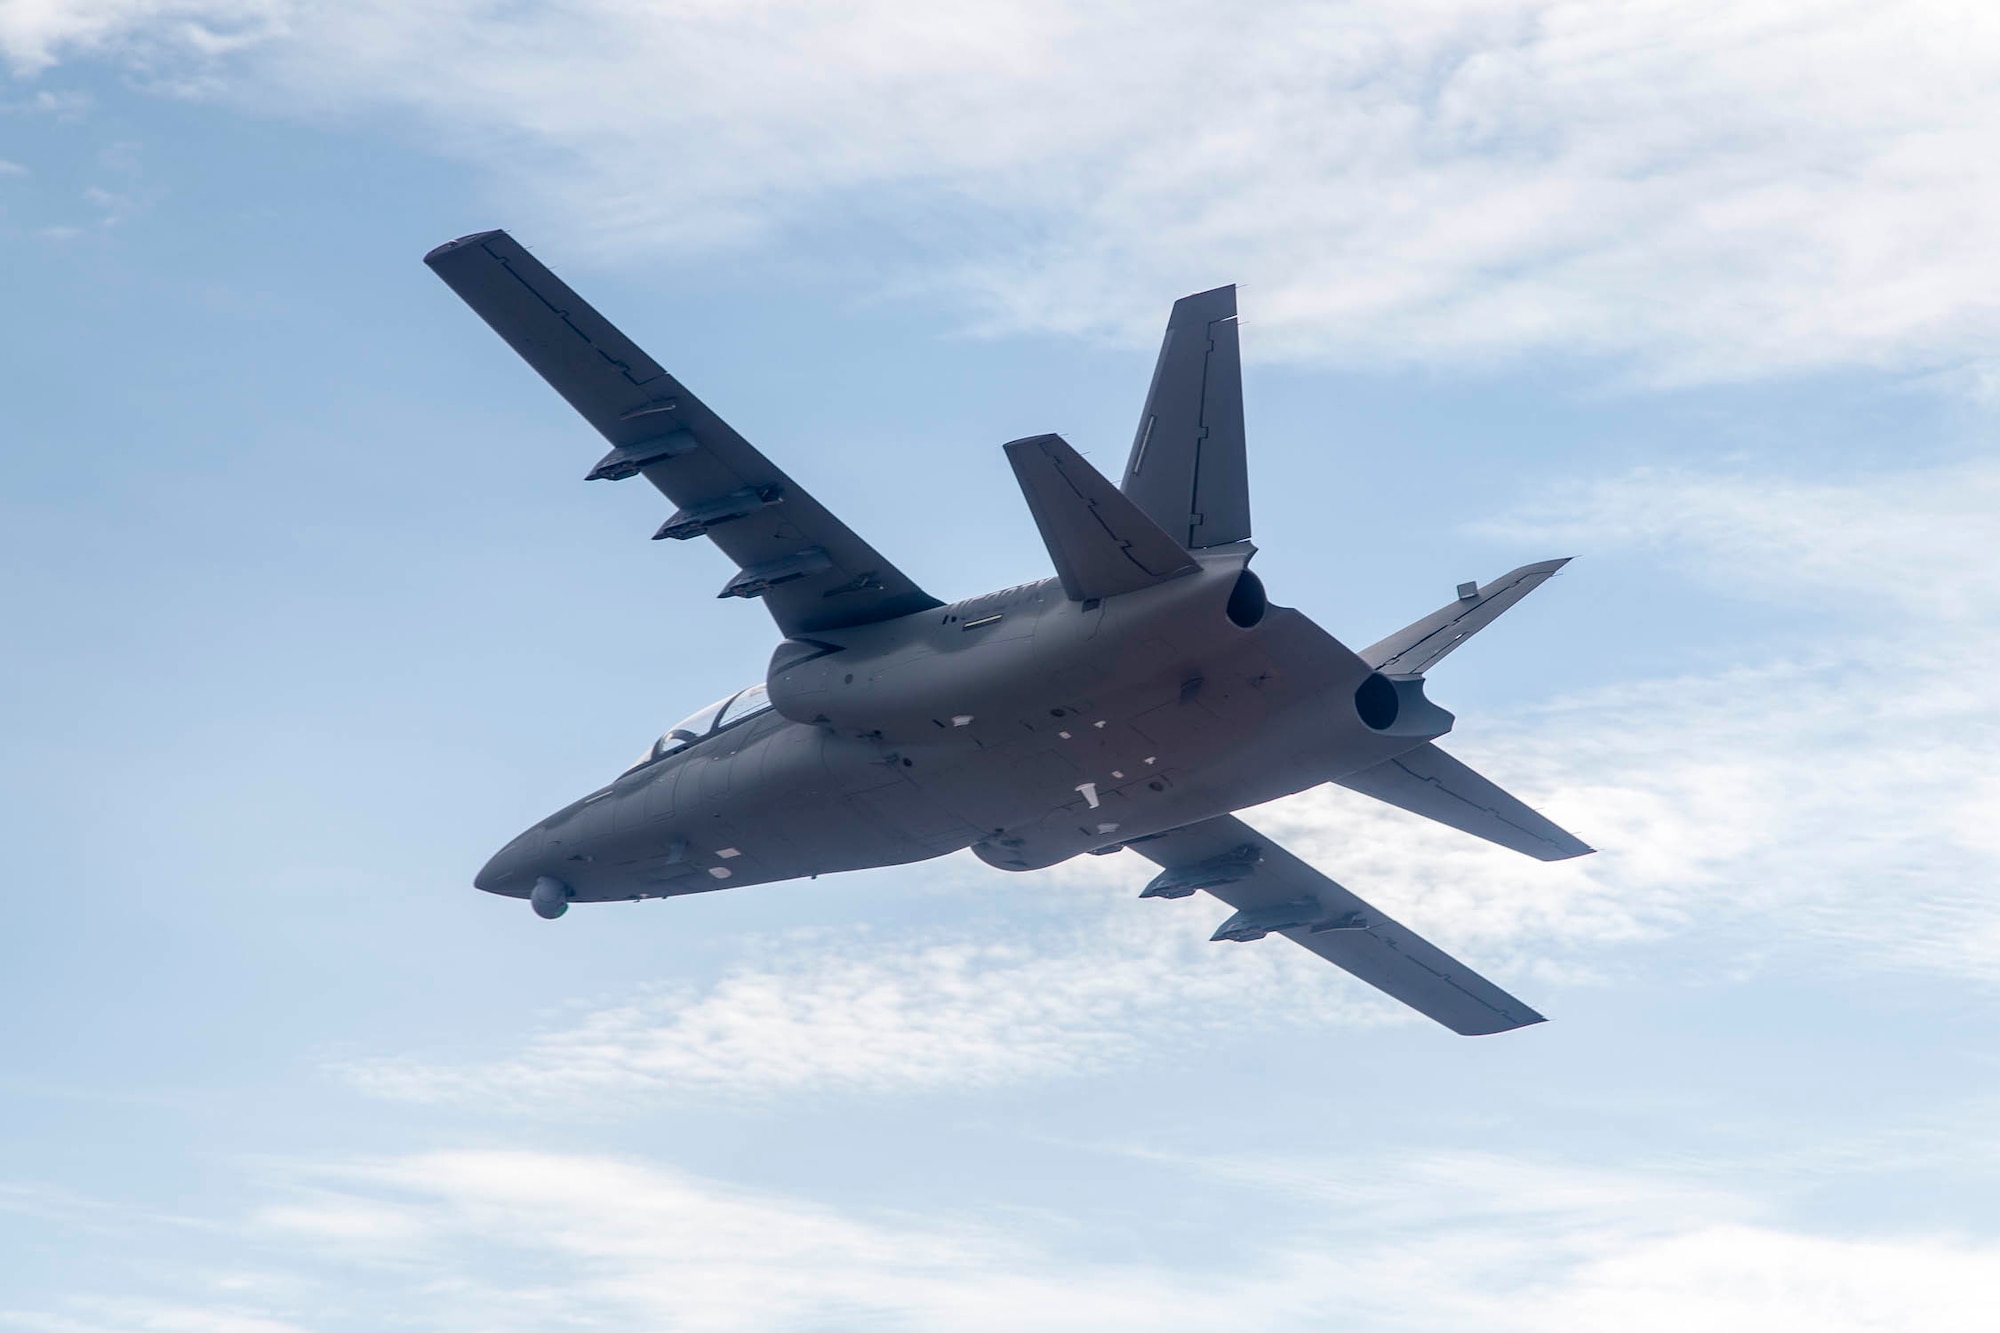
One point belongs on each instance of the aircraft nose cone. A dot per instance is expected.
(509, 870)
(493, 874)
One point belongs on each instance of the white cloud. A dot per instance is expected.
(1917, 545)
(1714, 191)
(100, 1315)
(34, 34)
(895, 1014)
(1743, 1280)
(499, 1240)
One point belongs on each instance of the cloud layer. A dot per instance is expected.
(500, 1240)
(1697, 190)
(1095, 988)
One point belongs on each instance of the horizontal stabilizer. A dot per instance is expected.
(1417, 648)
(1426, 781)
(1274, 892)
(1187, 466)
(1101, 542)
(812, 571)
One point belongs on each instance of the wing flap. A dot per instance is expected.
(811, 570)
(1417, 648)
(1101, 542)
(1275, 892)
(1426, 781)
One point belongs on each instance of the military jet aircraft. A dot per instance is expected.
(1132, 701)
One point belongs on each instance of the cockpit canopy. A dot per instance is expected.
(718, 716)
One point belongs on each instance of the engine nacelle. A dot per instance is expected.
(895, 684)
(1396, 706)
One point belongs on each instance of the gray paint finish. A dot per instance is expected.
(1134, 700)
(1258, 876)
(809, 568)
(1417, 648)
(1187, 467)
(1426, 781)
(1101, 542)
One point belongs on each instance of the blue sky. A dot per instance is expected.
(310, 610)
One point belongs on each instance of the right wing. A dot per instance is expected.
(1274, 891)
(810, 569)
(1426, 781)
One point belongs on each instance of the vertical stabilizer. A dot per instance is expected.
(1187, 468)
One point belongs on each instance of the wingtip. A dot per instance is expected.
(1027, 442)
(459, 243)
(1512, 1022)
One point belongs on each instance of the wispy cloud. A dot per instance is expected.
(98, 1315)
(1704, 190)
(1916, 546)
(34, 34)
(891, 1013)
(525, 1240)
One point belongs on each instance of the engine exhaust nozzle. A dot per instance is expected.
(1396, 706)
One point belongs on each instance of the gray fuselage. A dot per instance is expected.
(1022, 724)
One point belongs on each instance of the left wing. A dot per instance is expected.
(810, 569)
(1274, 891)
